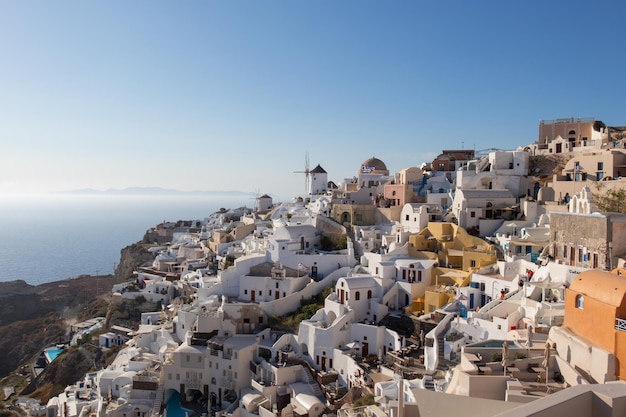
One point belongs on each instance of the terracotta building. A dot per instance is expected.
(595, 310)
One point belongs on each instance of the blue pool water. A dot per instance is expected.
(52, 353)
(174, 408)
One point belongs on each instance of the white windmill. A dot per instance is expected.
(307, 174)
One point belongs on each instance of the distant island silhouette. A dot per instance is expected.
(148, 191)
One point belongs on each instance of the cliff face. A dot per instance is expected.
(132, 257)
(33, 317)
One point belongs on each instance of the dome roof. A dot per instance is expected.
(373, 166)
(603, 286)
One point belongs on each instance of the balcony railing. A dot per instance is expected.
(620, 324)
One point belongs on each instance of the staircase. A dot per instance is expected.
(317, 391)
(442, 362)
(158, 400)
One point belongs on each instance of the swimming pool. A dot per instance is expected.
(51, 353)
(496, 344)
(174, 408)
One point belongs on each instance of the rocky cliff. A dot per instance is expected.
(33, 317)
(131, 258)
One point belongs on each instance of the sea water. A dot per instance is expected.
(54, 237)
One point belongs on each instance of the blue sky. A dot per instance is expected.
(230, 95)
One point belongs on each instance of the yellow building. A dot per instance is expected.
(455, 247)
(458, 254)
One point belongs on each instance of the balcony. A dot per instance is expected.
(620, 324)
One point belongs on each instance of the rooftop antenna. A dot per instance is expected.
(306, 172)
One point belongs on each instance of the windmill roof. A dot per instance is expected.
(318, 170)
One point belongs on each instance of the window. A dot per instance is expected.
(277, 285)
(473, 214)
(473, 263)
(245, 291)
(369, 293)
(580, 302)
(357, 296)
(565, 251)
(600, 166)
(407, 218)
(260, 292)
(260, 319)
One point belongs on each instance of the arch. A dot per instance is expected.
(580, 302)
(345, 217)
(330, 318)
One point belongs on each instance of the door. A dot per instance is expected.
(252, 295)
(471, 301)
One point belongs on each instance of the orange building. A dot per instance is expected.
(595, 309)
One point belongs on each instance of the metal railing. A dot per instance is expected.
(620, 324)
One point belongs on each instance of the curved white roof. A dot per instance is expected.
(308, 401)
(359, 282)
(294, 232)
